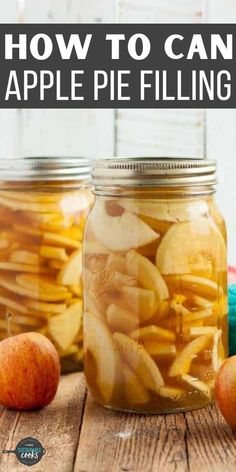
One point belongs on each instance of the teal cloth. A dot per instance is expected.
(232, 319)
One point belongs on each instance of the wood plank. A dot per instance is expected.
(9, 137)
(10, 12)
(182, 443)
(221, 138)
(57, 427)
(219, 12)
(173, 11)
(59, 132)
(126, 442)
(221, 145)
(69, 11)
(174, 133)
(210, 442)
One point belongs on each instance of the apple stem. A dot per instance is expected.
(8, 318)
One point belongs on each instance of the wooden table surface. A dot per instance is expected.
(80, 436)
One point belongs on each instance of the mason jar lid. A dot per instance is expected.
(146, 171)
(44, 168)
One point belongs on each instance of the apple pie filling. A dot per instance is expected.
(41, 228)
(155, 325)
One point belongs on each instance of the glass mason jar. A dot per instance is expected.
(43, 206)
(155, 285)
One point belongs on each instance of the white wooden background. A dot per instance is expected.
(98, 133)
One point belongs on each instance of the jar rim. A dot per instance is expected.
(46, 168)
(153, 171)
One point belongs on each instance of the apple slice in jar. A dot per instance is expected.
(204, 372)
(218, 353)
(37, 207)
(147, 274)
(35, 287)
(94, 247)
(201, 301)
(160, 350)
(55, 264)
(77, 289)
(59, 240)
(116, 263)
(141, 301)
(94, 305)
(121, 319)
(153, 333)
(160, 226)
(196, 384)
(57, 224)
(71, 272)
(150, 208)
(64, 327)
(117, 280)
(73, 233)
(166, 210)
(182, 364)
(139, 361)
(11, 303)
(27, 322)
(194, 284)
(40, 282)
(135, 392)
(196, 331)
(98, 340)
(25, 257)
(172, 393)
(161, 313)
(43, 307)
(19, 267)
(51, 252)
(121, 232)
(220, 307)
(202, 248)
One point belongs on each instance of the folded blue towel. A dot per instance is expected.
(232, 319)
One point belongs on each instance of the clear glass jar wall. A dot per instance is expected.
(155, 287)
(42, 216)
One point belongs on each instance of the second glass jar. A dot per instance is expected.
(43, 206)
(155, 285)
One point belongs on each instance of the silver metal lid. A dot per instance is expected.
(145, 171)
(44, 169)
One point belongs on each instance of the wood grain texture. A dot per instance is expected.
(174, 133)
(80, 436)
(10, 11)
(210, 442)
(221, 13)
(9, 137)
(127, 442)
(62, 132)
(57, 427)
(136, 443)
(221, 138)
(161, 11)
(69, 11)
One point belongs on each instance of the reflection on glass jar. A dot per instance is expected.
(155, 326)
(43, 207)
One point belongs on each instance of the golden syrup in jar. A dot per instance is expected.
(42, 218)
(155, 292)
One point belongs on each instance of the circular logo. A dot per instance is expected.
(29, 451)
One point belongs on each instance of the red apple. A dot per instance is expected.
(29, 371)
(225, 390)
